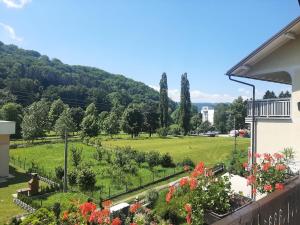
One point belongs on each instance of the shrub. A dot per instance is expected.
(162, 132)
(140, 157)
(72, 177)
(76, 156)
(153, 159)
(152, 197)
(59, 172)
(167, 160)
(175, 129)
(40, 217)
(56, 209)
(99, 154)
(187, 162)
(86, 179)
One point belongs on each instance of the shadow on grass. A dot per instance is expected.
(19, 177)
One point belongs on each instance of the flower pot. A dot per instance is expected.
(237, 202)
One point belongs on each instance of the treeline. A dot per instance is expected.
(26, 76)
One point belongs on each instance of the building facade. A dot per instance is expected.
(277, 121)
(208, 114)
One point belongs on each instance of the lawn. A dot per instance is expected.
(7, 207)
(50, 156)
(210, 150)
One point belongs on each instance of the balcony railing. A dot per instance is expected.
(278, 208)
(271, 108)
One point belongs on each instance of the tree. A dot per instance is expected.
(269, 95)
(86, 179)
(151, 119)
(77, 116)
(76, 156)
(35, 121)
(221, 117)
(185, 105)
(89, 125)
(56, 109)
(111, 124)
(237, 110)
(101, 117)
(163, 101)
(65, 124)
(132, 121)
(205, 127)
(13, 112)
(286, 94)
(196, 121)
(6, 97)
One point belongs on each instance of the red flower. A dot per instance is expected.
(193, 183)
(134, 207)
(168, 197)
(200, 168)
(188, 208)
(183, 181)
(133, 224)
(266, 166)
(87, 208)
(268, 187)
(280, 167)
(116, 221)
(279, 186)
(65, 215)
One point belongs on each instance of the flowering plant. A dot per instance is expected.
(268, 173)
(205, 193)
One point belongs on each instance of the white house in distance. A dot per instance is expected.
(208, 114)
(6, 128)
(277, 121)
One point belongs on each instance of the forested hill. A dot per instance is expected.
(27, 76)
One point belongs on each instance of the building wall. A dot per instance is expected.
(275, 135)
(207, 114)
(4, 155)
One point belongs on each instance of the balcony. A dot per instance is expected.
(278, 208)
(279, 108)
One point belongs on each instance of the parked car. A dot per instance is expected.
(234, 133)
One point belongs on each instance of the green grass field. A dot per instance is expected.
(210, 150)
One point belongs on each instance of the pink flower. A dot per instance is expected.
(134, 207)
(168, 197)
(278, 156)
(266, 166)
(251, 179)
(189, 218)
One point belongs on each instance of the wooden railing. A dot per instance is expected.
(277, 208)
(271, 108)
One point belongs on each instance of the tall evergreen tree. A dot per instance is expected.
(185, 105)
(163, 100)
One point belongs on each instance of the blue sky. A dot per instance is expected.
(143, 38)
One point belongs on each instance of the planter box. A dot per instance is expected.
(238, 202)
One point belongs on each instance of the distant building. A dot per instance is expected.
(208, 114)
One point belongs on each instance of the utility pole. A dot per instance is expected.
(234, 127)
(66, 163)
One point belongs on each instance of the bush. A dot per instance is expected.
(40, 217)
(56, 209)
(187, 162)
(162, 132)
(167, 160)
(72, 177)
(152, 197)
(86, 179)
(59, 172)
(153, 159)
(76, 156)
(175, 129)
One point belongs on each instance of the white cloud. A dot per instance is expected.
(17, 4)
(10, 31)
(199, 96)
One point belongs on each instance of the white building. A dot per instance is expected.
(276, 121)
(6, 128)
(208, 114)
